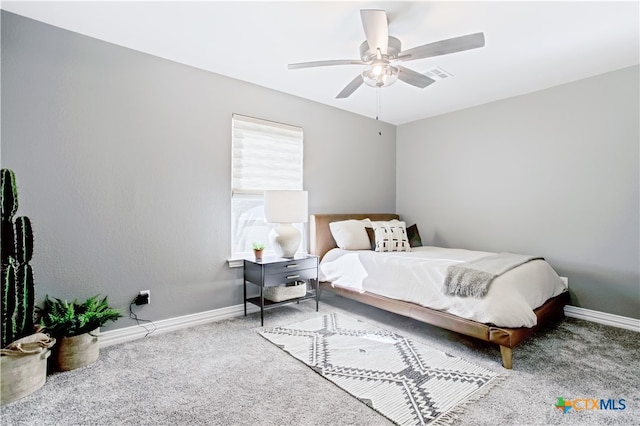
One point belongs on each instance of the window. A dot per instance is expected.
(265, 156)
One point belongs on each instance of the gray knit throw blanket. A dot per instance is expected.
(473, 278)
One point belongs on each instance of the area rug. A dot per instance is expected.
(407, 382)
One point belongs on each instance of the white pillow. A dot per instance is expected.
(391, 235)
(350, 234)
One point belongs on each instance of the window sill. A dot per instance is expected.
(235, 263)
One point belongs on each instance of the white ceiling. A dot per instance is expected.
(529, 45)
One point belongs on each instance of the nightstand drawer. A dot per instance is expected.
(271, 280)
(290, 265)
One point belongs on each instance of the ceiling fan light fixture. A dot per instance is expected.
(380, 75)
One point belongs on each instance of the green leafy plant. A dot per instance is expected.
(61, 318)
(258, 246)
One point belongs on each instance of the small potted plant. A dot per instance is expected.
(258, 248)
(76, 326)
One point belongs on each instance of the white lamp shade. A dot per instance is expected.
(286, 206)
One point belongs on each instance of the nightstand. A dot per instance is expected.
(277, 271)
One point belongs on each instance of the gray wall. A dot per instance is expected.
(123, 165)
(553, 173)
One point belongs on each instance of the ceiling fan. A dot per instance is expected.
(382, 53)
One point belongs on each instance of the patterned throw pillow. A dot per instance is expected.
(391, 236)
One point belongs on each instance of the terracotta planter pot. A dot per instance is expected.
(258, 254)
(22, 375)
(74, 352)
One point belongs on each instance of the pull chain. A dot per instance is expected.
(379, 107)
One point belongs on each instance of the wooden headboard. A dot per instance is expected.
(320, 238)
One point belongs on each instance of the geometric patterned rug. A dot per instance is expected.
(409, 383)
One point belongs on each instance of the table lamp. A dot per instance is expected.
(284, 208)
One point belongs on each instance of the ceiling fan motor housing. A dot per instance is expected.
(393, 49)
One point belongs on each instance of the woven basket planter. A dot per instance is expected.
(22, 375)
(75, 352)
(285, 292)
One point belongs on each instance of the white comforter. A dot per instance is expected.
(418, 276)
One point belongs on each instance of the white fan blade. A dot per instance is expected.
(414, 78)
(326, 63)
(351, 87)
(376, 29)
(443, 47)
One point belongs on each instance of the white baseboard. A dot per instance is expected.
(603, 318)
(127, 334)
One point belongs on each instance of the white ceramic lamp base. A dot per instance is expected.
(285, 240)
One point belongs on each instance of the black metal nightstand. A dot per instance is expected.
(278, 271)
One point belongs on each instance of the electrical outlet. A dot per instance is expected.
(144, 297)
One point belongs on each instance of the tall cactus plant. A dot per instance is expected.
(18, 290)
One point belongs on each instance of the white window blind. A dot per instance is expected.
(265, 156)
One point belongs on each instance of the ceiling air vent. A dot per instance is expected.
(438, 73)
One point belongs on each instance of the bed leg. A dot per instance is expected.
(507, 357)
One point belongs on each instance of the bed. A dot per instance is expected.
(322, 243)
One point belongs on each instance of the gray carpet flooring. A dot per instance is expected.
(225, 373)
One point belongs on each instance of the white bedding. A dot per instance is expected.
(417, 276)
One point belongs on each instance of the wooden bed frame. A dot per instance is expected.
(321, 241)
